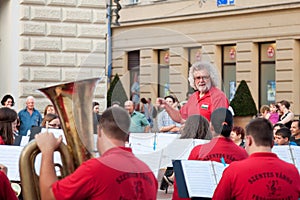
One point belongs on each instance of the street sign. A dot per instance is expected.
(225, 2)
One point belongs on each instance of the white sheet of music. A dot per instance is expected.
(199, 177)
(9, 157)
(296, 154)
(283, 152)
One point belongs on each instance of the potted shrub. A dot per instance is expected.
(243, 105)
(116, 92)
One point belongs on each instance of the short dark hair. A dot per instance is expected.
(4, 99)
(284, 132)
(115, 121)
(222, 121)
(95, 103)
(279, 124)
(7, 116)
(171, 97)
(239, 131)
(261, 130)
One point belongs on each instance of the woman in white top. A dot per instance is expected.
(287, 116)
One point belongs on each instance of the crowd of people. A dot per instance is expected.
(253, 171)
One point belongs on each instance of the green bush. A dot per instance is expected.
(116, 92)
(242, 102)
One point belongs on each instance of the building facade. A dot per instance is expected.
(257, 41)
(45, 42)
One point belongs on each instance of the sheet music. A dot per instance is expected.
(283, 152)
(199, 177)
(9, 156)
(141, 143)
(179, 149)
(56, 132)
(219, 169)
(152, 160)
(296, 155)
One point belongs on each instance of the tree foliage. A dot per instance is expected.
(242, 102)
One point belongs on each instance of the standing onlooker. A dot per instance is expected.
(238, 135)
(265, 111)
(8, 122)
(116, 174)
(147, 109)
(53, 121)
(221, 148)
(139, 123)
(49, 109)
(274, 116)
(276, 127)
(295, 129)
(204, 78)
(29, 116)
(164, 122)
(263, 175)
(135, 92)
(287, 115)
(8, 101)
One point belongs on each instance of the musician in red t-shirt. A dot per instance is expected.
(221, 148)
(117, 174)
(6, 191)
(263, 175)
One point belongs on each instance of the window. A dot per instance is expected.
(229, 70)
(134, 70)
(133, 1)
(267, 83)
(163, 73)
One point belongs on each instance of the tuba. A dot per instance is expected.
(72, 102)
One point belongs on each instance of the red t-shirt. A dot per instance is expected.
(214, 150)
(205, 105)
(2, 141)
(6, 192)
(261, 176)
(117, 174)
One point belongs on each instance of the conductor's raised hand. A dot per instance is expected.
(47, 142)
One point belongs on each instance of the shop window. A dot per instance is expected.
(267, 82)
(229, 70)
(163, 73)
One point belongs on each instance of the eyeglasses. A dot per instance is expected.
(55, 125)
(205, 78)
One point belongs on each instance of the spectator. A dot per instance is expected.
(53, 121)
(29, 116)
(287, 115)
(139, 123)
(147, 109)
(282, 137)
(295, 129)
(6, 191)
(238, 135)
(135, 91)
(8, 122)
(116, 103)
(221, 148)
(276, 127)
(164, 121)
(8, 101)
(265, 111)
(117, 174)
(204, 78)
(263, 175)
(274, 116)
(49, 109)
